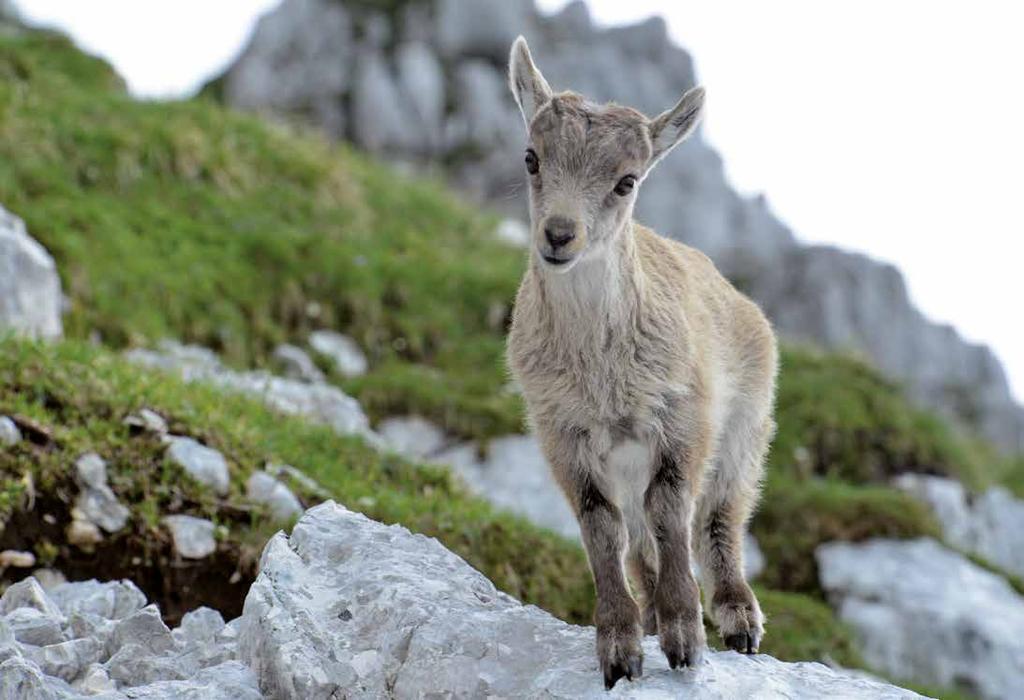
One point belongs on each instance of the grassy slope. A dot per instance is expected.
(280, 233)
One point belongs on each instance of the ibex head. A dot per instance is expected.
(585, 162)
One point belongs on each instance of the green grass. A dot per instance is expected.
(190, 221)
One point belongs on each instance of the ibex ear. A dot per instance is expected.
(528, 85)
(670, 128)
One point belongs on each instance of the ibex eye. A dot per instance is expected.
(625, 185)
(532, 162)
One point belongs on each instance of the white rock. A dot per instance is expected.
(320, 403)
(990, 525)
(96, 502)
(199, 626)
(926, 613)
(31, 626)
(412, 436)
(83, 533)
(264, 489)
(9, 433)
(204, 464)
(91, 470)
(144, 627)
(20, 679)
(148, 421)
(66, 660)
(514, 232)
(49, 578)
(193, 537)
(296, 363)
(286, 471)
(112, 600)
(347, 605)
(227, 681)
(17, 559)
(95, 681)
(27, 593)
(344, 352)
(30, 297)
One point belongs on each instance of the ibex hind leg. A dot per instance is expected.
(725, 506)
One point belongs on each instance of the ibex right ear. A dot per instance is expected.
(528, 85)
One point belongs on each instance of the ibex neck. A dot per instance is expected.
(602, 290)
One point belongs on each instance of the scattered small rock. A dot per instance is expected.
(346, 355)
(83, 533)
(147, 421)
(30, 298)
(287, 471)
(295, 363)
(17, 559)
(264, 489)
(204, 464)
(96, 502)
(193, 537)
(9, 433)
(27, 593)
(412, 436)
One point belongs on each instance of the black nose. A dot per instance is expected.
(559, 231)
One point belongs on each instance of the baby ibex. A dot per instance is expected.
(648, 378)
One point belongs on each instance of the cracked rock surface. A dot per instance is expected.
(349, 607)
(101, 640)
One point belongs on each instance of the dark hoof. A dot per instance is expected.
(677, 660)
(744, 642)
(629, 668)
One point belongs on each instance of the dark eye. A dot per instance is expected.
(625, 185)
(532, 162)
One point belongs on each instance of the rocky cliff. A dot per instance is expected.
(423, 82)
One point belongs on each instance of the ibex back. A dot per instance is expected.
(648, 378)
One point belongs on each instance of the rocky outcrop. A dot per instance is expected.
(424, 82)
(926, 613)
(346, 605)
(86, 639)
(320, 403)
(30, 297)
(990, 525)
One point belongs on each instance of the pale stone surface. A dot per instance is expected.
(412, 436)
(193, 537)
(349, 606)
(341, 350)
(16, 559)
(926, 613)
(30, 296)
(92, 639)
(9, 433)
(990, 525)
(204, 464)
(96, 502)
(320, 403)
(147, 420)
(514, 232)
(264, 489)
(295, 363)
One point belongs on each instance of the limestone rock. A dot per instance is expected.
(350, 606)
(321, 403)
(926, 613)
(112, 600)
(204, 464)
(27, 593)
(264, 489)
(17, 559)
(341, 350)
(30, 296)
(96, 502)
(32, 626)
(412, 436)
(990, 525)
(65, 660)
(9, 433)
(193, 537)
(147, 420)
(297, 364)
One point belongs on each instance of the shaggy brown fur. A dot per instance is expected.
(648, 378)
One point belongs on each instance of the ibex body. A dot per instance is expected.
(648, 379)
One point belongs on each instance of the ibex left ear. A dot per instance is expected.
(670, 128)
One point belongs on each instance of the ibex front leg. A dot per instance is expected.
(669, 504)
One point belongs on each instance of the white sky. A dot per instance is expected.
(893, 128)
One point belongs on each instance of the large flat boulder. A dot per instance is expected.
(926, 613)
(349, 607)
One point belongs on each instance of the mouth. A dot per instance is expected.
(555, 261)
